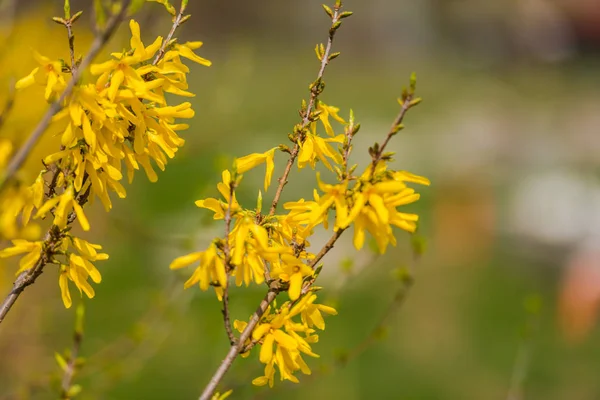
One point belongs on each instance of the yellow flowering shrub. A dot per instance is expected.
(119, 122)
(275, 247)
(119, 115)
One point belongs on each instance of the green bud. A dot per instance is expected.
(397, 128)
(328, 10)
(346, 14)
(76, 16)
(413, 82)
(59, 20)
(67, 9)
(415, 102)
(259, 202)
(334, 55)
(185, 18)
(60, 360)
(335, 27)
(79, 318)
(73, 391)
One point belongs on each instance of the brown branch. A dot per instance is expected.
(398, 300)
(228, 266)
(524, 354)
(69, 374)
(315, 90)
(21, 156)
(52, 241)
(274, 286)
(176, 23)
(237, 347)
(407, 281)
(69, 26)
(406, 105)
(8, 105)
(28, 277)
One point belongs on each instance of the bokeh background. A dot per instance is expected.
(506, 297)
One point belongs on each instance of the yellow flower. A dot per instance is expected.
(306, 213)
(210, 271)
(311, 313)
(49, 74)
(374, 210)
(222, 396)
(326, 112)
(280, 341)
(292, 270)
(334, 194)
(250, 161)
(186, 50)
(315, 147)
(217, 206)
(33, 250)
(64, 204)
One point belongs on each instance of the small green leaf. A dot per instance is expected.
(170, 9)
(79, 318)
(334, 55)
(60, 360)
(74, 391)
(185, 18)
(135, 6)
(347, 264)
(67, 9)
(100, 13)
(259, 202)
(415, 102)
(413, 82)
(76, 16)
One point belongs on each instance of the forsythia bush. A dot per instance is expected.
(114, 118)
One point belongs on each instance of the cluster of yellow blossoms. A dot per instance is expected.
(123, 118)
(269, 247)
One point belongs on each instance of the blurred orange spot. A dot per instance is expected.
(580, 295)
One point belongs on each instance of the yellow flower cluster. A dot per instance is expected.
(121, 119)
(274, 247)
(283, 341)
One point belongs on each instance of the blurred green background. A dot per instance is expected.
(506, 294)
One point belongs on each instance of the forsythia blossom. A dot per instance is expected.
(115, 125)
(275, 247)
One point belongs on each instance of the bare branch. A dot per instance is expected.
(176, 23)
(235, 349)
(315, 91)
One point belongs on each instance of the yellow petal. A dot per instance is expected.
(285, 340)
(266, 350)
(186, 260)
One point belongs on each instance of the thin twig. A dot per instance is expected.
(372, 336)
(69, 26)
(52, 241)
(524, 355)
(70, 370)
(235, 349)
(239, 347)
(228, 266)
(165, 43)
(315, 91)
(406, 104)
(8, 105)
(274, 288)
(19, 158)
